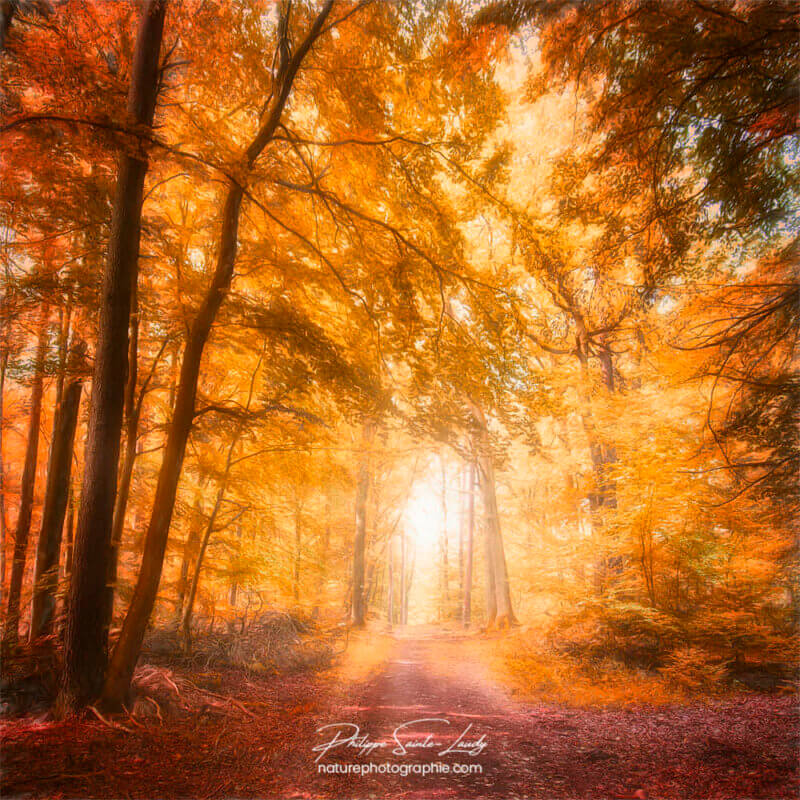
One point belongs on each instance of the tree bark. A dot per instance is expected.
(55, 502)
(86, 640)
(358, 605)
(127, 650)
(28, 482)
(132, 411)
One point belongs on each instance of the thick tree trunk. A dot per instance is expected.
(87, 633)
(26, 491)
(466, 614)
(132, 410)
(127, 650)
(55, 502)
(358, 605)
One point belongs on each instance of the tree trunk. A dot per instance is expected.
(87, 633)
(324, 549)
(3, 526)
(403, 605)
(297, 549)
(497, 569)
(409, 581)
(491, 581)
(190, 547)
(26, 490)
(358, 605)
(466, 616)
(69, 538)
(233, 591)
(55, 502)
(65, 319)
(462, 500)
(603, 454)
(390, 579)
(7, 10)
(132, 410)
(504, 611)
(127, 650)
(69, 525)
(186, 619)
(444, 567)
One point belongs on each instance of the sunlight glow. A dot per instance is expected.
(424, 520)
(423, 516)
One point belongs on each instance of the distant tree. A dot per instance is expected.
(25, 512)
(59, 470)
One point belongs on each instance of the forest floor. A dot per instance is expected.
(234, 734)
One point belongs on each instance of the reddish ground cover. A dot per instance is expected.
(230, 735)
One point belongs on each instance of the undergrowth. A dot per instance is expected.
(529, 662)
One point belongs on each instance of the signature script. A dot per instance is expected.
(405, 737)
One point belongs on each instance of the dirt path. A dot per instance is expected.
(729, 749)
(409, 711)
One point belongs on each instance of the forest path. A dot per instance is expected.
(266, 741)
(434, 684)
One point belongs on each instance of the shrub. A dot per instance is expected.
(693, 668)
